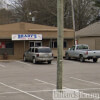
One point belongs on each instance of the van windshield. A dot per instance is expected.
(44, 50)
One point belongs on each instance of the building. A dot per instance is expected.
(15, 48)
(90, 36)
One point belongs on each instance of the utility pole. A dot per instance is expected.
(73, 20)
(60, 18)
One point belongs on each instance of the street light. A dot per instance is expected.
(73, 20)
(33, 17)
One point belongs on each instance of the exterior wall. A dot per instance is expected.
(23, 28)
(19, 48)
(46, 42)
(70, 43)
(91, 41)
(52, 34)
(18, 51)
(97, 43)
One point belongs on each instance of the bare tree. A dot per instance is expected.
(84, 13)
(97, 4)
(45, 12)
(5, 16)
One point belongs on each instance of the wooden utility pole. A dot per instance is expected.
(60, 18)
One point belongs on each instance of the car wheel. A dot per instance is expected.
(49, 62)
(81, 58)
(95, 60)
(25, 58)
(67, 57)
(34, 61)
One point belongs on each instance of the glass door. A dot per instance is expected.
(35, 43)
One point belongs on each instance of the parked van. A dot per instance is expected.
(39, 54)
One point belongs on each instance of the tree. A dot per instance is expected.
(5, 16)
(45, 12)
(97, 3)
(0, 4)
(84, 13)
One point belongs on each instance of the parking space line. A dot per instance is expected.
(21, 91)
(64, 87)
(89, 89)
(51, 84)
(2, 66)
(39, 91)
(23, 63)
(54, 63)
(9, 93)
(85, 81)
(45, 82)
(26, 91)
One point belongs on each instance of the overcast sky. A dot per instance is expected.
(8, 1)
(5, 3)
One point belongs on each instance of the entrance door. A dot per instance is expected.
(35, 43)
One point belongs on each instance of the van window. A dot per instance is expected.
(44, 50)
(33, 50)
(36, 50)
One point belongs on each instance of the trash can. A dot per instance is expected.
(5, 55)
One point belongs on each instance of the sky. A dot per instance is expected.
(8, 1)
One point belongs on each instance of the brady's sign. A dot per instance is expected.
(26, 36)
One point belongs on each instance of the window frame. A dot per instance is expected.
(52, 45)
(8, 50)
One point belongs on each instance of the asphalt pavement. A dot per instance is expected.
(27, 81)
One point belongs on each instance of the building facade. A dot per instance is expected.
(16, 48)
(90, 36)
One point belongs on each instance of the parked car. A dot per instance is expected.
(39, 54)
(82, 52)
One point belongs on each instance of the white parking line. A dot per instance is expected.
(85, 81)
(26, 91)
(21, 91)
(2, 66)
(45, 82)
(54, 63)
(90, 89)
(64, 87)
(24, 63)
(39, 91)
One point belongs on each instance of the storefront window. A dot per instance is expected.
(35, 43)
(31, 44)
(65, 44)
(53, 44)
(7, 47)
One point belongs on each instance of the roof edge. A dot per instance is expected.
(53, 30)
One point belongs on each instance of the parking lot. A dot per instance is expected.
(27, 81)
